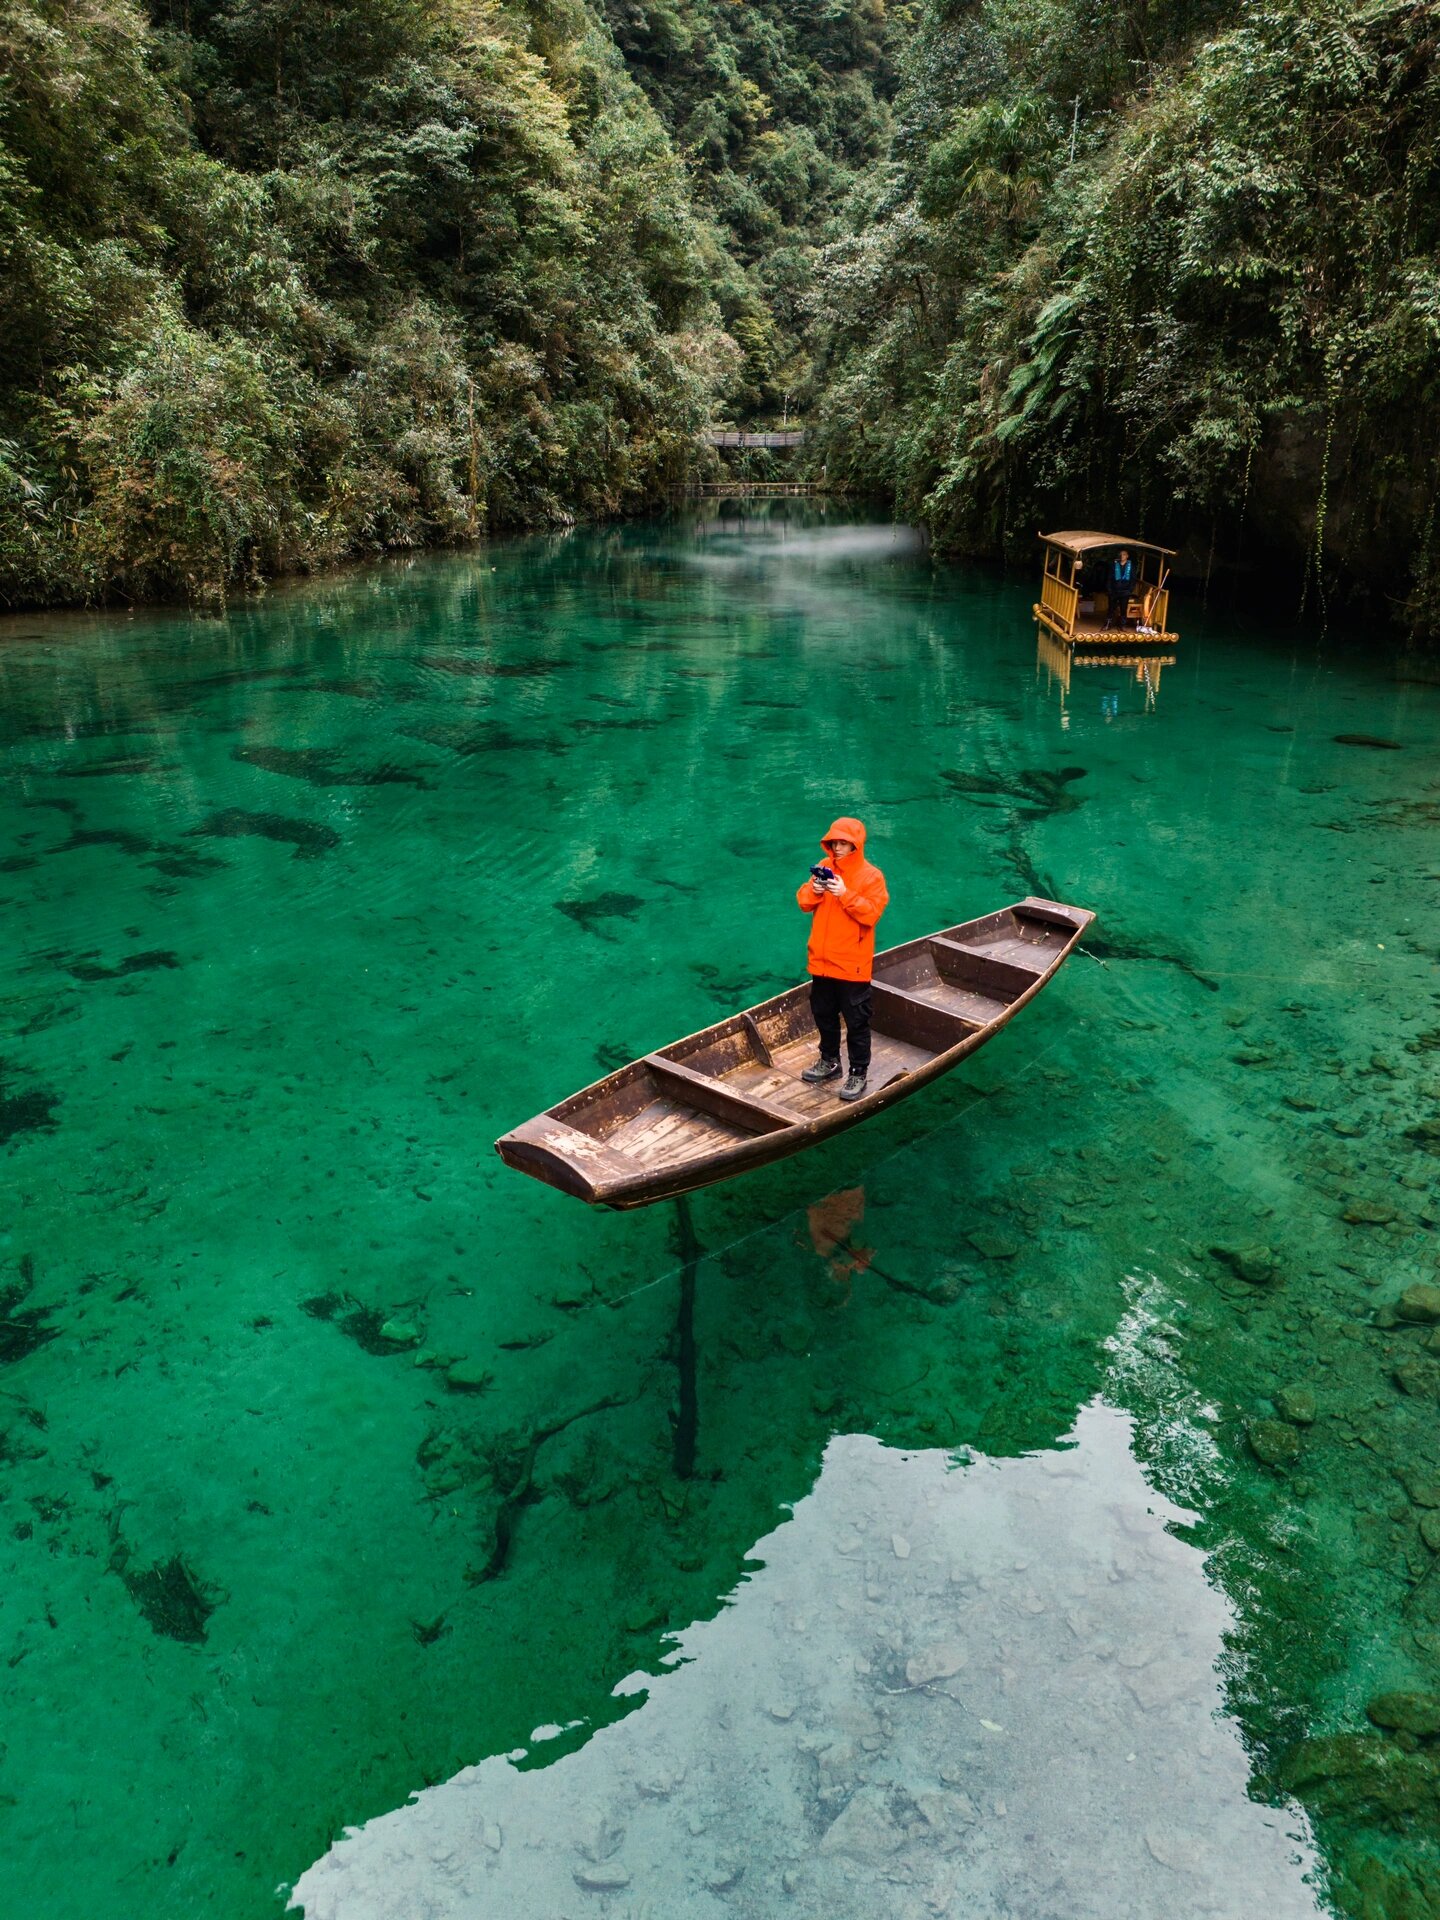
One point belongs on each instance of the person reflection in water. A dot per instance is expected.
(844, 896)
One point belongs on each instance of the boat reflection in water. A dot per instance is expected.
(1060, 662)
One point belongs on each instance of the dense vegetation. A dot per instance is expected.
(1166, 260)
(778, 108)
(287, 280)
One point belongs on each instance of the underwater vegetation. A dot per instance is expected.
(23, 1330)
(323, 767)
(24, 1109)
(1038, 793)
(590, 915)
(308, 837)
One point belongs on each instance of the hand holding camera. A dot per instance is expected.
(825, 880)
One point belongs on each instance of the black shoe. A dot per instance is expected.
(823, 1069)
(854, 1087)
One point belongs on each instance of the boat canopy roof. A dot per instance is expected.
(1081, 542)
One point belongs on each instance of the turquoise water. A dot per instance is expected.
(341, 1459)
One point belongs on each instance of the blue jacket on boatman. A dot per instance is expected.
(1122, 585)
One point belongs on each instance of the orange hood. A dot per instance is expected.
(844, 829)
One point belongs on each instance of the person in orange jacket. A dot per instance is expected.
(844, 908)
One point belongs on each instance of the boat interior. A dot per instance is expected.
(741, 1077)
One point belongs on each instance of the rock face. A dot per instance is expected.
(1417, 1713)
(1420, 1303)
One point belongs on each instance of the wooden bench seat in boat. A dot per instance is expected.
(731, 1096)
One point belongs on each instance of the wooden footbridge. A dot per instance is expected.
(769, 440)
(731, 437)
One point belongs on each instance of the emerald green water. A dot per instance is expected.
(305, 905)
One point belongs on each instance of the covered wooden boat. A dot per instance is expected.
(730, 1097)
(1074, 598)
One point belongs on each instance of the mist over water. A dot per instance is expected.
(340, 1459)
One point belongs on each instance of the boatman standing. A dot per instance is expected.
(844, 896)
(1122, 585)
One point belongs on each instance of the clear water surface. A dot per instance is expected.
(1013, 1507)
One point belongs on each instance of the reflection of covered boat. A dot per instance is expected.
(1060, 662)
(730, 1097)
(1074, 598)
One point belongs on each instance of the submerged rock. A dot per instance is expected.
(1417, 1713)
(1355, 1772)
(1257, 1266)
(864, 1827)
(469, 1376)
(1419, 1303)
(606, 1877)
(992, 1245)
(935, 1663)
(1296, 1404)
(1367, 1213)
(1417, 1381)
(1273, 1442)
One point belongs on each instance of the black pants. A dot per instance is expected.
(828, 1000)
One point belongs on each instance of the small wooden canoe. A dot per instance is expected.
(730, 1097)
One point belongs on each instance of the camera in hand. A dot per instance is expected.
(823, 874)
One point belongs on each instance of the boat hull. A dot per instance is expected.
(729, 1099)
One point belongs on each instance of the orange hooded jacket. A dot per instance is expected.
(842, 932)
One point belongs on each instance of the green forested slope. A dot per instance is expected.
(778, 108)
(283, 280)
(1165, 261)
(287, 280)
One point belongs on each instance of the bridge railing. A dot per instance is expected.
(726, 437)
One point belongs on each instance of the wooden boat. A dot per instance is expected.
(1072, 610)
(730, 1097)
